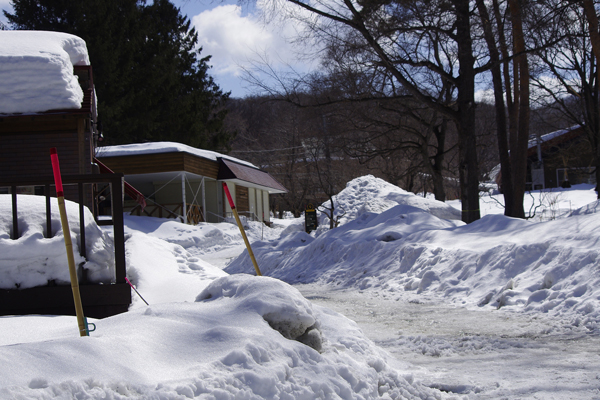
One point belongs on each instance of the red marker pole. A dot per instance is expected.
(68, 243)
(237, 218)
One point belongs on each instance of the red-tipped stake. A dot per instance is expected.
(68, 243)
(237, 218)
(138, 293)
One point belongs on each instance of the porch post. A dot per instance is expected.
(183, 197)
(203, 202)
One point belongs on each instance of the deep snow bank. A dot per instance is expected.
(36, 71)
(231, 344)
(33, 260)
(410, 254)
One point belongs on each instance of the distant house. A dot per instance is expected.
(558, 158)
(179, 181)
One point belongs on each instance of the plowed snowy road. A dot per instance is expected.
(475, 354)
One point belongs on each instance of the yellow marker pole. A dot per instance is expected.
(237, 218)
(68, 243)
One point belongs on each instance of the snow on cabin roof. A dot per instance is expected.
(36, 71)
(552, 135)
(163, 147)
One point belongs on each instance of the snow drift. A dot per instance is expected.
(410, 254)
(222, 347)
(34, 260)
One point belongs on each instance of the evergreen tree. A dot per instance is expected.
(150, 80)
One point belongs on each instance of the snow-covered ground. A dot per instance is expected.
(500, 308)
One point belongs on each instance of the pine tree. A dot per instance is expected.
(150, 80)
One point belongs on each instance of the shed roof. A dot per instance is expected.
(170, 157)
(135, 149)
(238, 173)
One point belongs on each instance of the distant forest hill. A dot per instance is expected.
(315, 151)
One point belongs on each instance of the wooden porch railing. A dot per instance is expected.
(171, 210)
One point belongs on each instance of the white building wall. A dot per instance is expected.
(252, 200)
(259, 204)
(266, 207)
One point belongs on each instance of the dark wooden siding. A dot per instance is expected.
(25, 144)
(144, 163)
(201, 166)
(161, 162)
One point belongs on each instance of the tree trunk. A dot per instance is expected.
(521, 68)
(468, 168)
(438, 163)
(500, 109)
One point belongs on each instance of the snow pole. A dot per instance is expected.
(237, 218)
(83, 330)
(138, 293)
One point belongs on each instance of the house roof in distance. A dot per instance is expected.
(135, 149)
(238, 173)
(229, 168)
(36, 71)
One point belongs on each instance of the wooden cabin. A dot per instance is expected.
(26, 137)
(179, 181)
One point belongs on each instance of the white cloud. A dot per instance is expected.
(240, 42)
(230, 38)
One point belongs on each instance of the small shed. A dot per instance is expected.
(180, 181)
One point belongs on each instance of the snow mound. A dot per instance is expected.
(34, 260)
(368, 194)
(496, 262)
(36, 71)
(591, 208)
(282, 306)
(216, 349)
(300, 258)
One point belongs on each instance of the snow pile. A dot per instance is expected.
(368, 194)
(410, 254)
(512, 287)
(34, 260)
(288, 313)
(36, 71)
(231, 344)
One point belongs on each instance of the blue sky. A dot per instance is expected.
(236, 39)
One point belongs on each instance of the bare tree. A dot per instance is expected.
(421, 47)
